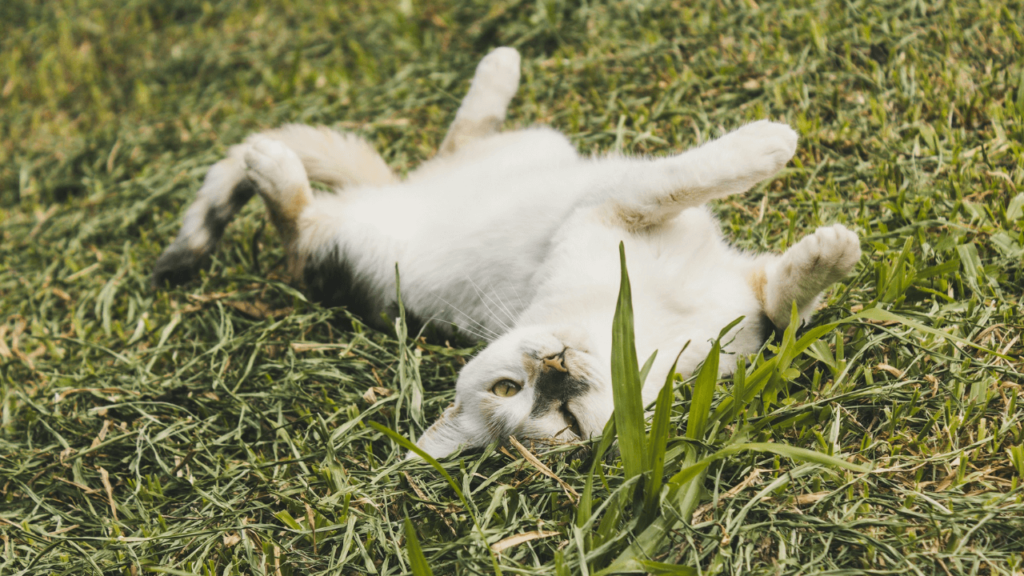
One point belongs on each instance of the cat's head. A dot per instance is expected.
(534, 383)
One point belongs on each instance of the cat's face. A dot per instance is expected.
(534, 383)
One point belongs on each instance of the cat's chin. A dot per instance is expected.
(591, 413)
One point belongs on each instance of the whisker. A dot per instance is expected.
(501, 303)
(468, 317)
(513, 286)
(457, 327)
(486, 305)
(480, 294)
(493, 297)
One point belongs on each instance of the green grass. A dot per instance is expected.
(223, 418)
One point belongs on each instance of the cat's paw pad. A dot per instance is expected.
(831, 252)
(764, 146)
(498, 73)
(272, 166)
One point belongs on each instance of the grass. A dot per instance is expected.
(230, 427)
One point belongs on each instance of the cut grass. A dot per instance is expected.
(224, 427)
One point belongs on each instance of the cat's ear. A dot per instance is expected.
(446, 434)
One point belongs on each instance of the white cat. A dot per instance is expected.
(513, 237)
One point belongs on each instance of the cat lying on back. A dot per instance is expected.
(512, 236)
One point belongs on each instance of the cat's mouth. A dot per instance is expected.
(573, 425)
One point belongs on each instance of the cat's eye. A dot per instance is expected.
(506, 389)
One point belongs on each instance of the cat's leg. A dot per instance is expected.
(338, 159)
(333, 158)
(645, 193)
(803, 272)
(483, 109)
(224, 192)
(280, 178)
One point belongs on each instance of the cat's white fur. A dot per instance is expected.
(513, 237)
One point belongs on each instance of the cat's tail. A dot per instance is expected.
(332, 158)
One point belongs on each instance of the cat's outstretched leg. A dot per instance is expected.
(333, 158)
(224, 192)
(645, 193)
(484, 107)
(804, 271)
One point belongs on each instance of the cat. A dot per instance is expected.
(513, 237)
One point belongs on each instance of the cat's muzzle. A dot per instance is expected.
(557, 387)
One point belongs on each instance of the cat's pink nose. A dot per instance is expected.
(556, 362)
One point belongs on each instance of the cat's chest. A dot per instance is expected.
(683, 277)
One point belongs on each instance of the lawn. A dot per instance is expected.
(228, 426)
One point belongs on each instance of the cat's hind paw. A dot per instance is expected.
(826, 256)
(806, 269)
(273, 167)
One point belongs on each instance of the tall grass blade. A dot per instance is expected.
(408, 445)
(646, 369)
(417, 560)
(739, 385)
(658, 440)
(703, 392)
(626, 386)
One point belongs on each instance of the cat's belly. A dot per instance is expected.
(686, 282)
(466, 249)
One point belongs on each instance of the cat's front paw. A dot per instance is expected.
(272, 166)
(764, 147)
(827, 255)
